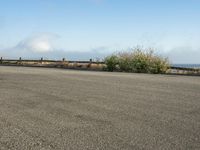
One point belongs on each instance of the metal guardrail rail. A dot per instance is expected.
(50, 61)
(183, 68)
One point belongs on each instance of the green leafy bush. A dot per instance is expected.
(138, 60)
(125, 62)
(111, 62)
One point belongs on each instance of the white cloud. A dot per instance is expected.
(40, 43)
(184, 55)
(44, 45)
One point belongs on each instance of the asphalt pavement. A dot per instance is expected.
(58, 109)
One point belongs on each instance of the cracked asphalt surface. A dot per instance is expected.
(44, 109)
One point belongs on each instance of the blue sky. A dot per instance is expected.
(80, 29)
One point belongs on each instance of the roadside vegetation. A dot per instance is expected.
(138, 60)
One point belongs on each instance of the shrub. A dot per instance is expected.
(124, 61)
(138, 60)
(158, 65)
(111, 62)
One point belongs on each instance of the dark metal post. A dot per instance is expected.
(90, 63)
(20, 60)
(41, 60)
(1, 60)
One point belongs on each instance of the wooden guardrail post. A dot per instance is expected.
(20, 60)
(90, 63)
(62, 65)
(41, 59)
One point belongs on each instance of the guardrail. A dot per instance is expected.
(183, 68)
(63, 63)
(50, 61)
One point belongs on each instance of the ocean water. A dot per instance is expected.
(187, 65)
